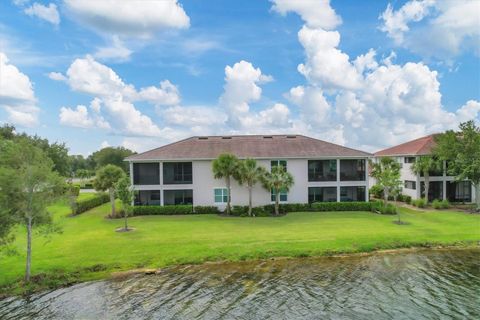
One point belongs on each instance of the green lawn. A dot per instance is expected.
(89, 247)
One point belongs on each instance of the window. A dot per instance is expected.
(146, 173)
(147, 198)
(177, 173)
(435, 190)
(221, 195)
(352, 170)
(352, 193)
(283, 196)
(282, 163)
(409, 159)
(322, 194)
(410, 184)
(322, 170)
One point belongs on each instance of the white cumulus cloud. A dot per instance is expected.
(48, 13)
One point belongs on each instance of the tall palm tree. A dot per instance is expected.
(225, 166)
(277, 180)
(425, 164)
(249, 174)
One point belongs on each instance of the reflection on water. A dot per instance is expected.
(419, 285)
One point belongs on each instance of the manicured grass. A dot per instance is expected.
(89, 247)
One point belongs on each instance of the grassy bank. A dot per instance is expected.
(89, 248)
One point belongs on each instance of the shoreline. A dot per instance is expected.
(47, 282)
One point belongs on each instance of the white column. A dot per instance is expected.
(161, 184)
(338, 180)
(131, 172)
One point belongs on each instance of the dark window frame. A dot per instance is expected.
(313, 167)
(182, 173)
(360, 174)
(143, 179)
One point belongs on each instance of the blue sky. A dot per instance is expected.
(233, 68)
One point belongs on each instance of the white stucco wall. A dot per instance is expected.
(203, 184)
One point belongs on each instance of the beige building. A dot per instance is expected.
(441, 186)
(181, 172)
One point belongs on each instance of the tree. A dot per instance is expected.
(225, 166)
(106, 179)
(462, 151)
(423, 165)
(29, 184)
(111, 155)
(396, 191)
(248, 173)
(387, 174)
(276, 181)
(126, 194)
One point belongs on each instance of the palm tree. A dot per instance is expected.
(425, 164)
(249, 174)
(225, 166)
(276, 181)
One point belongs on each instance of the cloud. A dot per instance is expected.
(80, 117)
(117, 51)
(194, 116)
(114, 99)
(130, 18)
(443, 29)
(16, 94)
(315, 13)
(57, 76)
(48, 13)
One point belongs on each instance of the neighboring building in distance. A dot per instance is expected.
(441, 186)
(181, 172)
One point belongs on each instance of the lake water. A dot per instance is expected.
(430, 284)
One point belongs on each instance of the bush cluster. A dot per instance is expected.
(85, 205)
(376, 191)
(381, 208)
(438, 204)
(420, 203)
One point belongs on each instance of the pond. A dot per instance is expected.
(426, 284)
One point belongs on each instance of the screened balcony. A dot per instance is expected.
(322, 170)
(352, 170)
(177, 173)
(352, 194)
(322, 194)
(147, 198)
(460, 191)
(146, 173)
(177, 197)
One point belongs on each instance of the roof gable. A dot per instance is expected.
(420, 146)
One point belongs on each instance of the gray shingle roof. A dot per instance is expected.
(248, 146)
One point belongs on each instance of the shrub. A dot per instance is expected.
(380, 207)
(205, 209)
(436, 204)
(239, 211)
(85, 205)
(421, 203)
(376, 191)
(407, 199)
(342, 206)
(162, 210)
(445, 204)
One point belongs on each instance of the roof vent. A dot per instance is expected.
(226, 138)
(202, 138)
(267, 137)
(291, 137)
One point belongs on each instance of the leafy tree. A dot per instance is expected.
(277, 180)
(425, 164)
(248, 173)
(462, 151)
(106, 179)
(387, 174)
(225, 166)
(126, 194)
(28, 185)
(111, 155)
(396, 191)
(84, 174)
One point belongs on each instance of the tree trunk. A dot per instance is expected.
(125, 215)
(112, 200)
(277, 197)
(29, 250)
(427, 185)
(385, 196)
(477, 195)
(249, 201)
(229, 195)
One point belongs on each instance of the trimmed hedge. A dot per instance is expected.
(262, 211)
(85, 205)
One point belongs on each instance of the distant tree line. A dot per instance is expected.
(67, 165)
